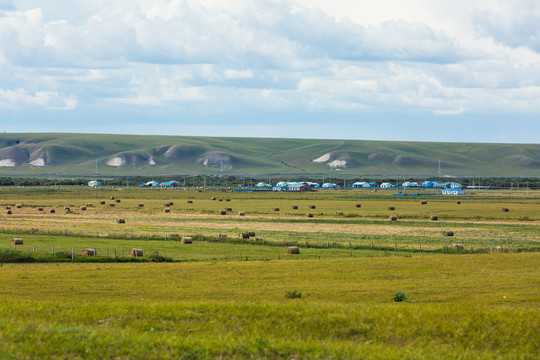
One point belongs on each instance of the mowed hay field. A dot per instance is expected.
(234, 298)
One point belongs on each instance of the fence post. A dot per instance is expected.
(47, 231)
(395, 246)
(115, 253)
(113, 235)
(372, 244)
(53, 249)
(420, 247)
(328, 244)
(147, 236)
(349, 244)
(14, 246)
(72, 253)
(165, 237)
(96, 234)
(34, 248)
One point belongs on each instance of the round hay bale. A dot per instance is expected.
(458, 202)
(8, 207)
(167, 210)
(433, 218)
(241, 213)
(167, 204)
(228, 209)
(251, 233)
(39, 209)
(135, 252)
(186, 240)
(295, 207)
(276, 209)
(423, 202)
(190, 201)
(222, 212)
(292, 250)
(505, 210)
(213, 198)
(448, 233)
(89, 252)
(140, 205)
(121, 221)
(17, 241)
(358, 205)
(52, 211)
(89, 205)
(102, 202)
(227, 199)
(67, 208)
(312, 206)
(339, 213)
(8, 212)
(393, 218)
(309, 215)
(171, 203)
(18, 206)
(111, 198)
(112, 205)
(219, 199)
(83, 208)
(458, 246)
(118, 200)
(391, 208)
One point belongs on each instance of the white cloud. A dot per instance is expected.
(20, 98)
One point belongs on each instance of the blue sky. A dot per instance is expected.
(388, 70)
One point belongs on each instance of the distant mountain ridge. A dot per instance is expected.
(78, 154)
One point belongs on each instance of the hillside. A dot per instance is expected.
(77, 154)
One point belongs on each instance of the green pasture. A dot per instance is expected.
(476, 306)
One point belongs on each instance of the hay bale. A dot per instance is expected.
(358, 205)
(102, 202)
(8, 207)
(292, 250)
(295, 207)
(112, 205)
(423, 202)
(89, 205)
(190, 201)
(523, 218)
(276, 209)
(121, 221)
(171, 203)
(241, 213)
(312, 206)
(135, 252)
(458, 202)
(309, 215)
(67, 208)
(433, 218)
(393, 218)
(186, 240)
(167, 204)
(167, 210)
(339, 213)
(213, 198)
(111, 198)
(458, 246)
(52, 211)
(448, 233)
(17, 241)
(227, 199)
(8, 212)
(391, 208)
(228, 209)
(244, 235)
(505, 210)
(39, 209)
(117, 200)
(18, 206)
(222, 212)
(140, 205)
(83, 208)
(89, 252)
(220, 199)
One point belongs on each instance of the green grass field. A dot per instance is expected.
(231, 298)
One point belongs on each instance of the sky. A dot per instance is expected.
(418, 70)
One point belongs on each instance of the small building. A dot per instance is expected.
(150, 184)
(455, 185)
(453, 192)
(94, 183)
(386, 185)
(312, 185)
(429, 184)
(359, 184)
(329, 186)
(263, 185)
(409, 184)
(169, 184)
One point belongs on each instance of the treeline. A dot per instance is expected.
(200, 181)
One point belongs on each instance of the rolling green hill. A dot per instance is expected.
(116, 155)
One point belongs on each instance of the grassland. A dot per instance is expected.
(68, 154)
(226, 298)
